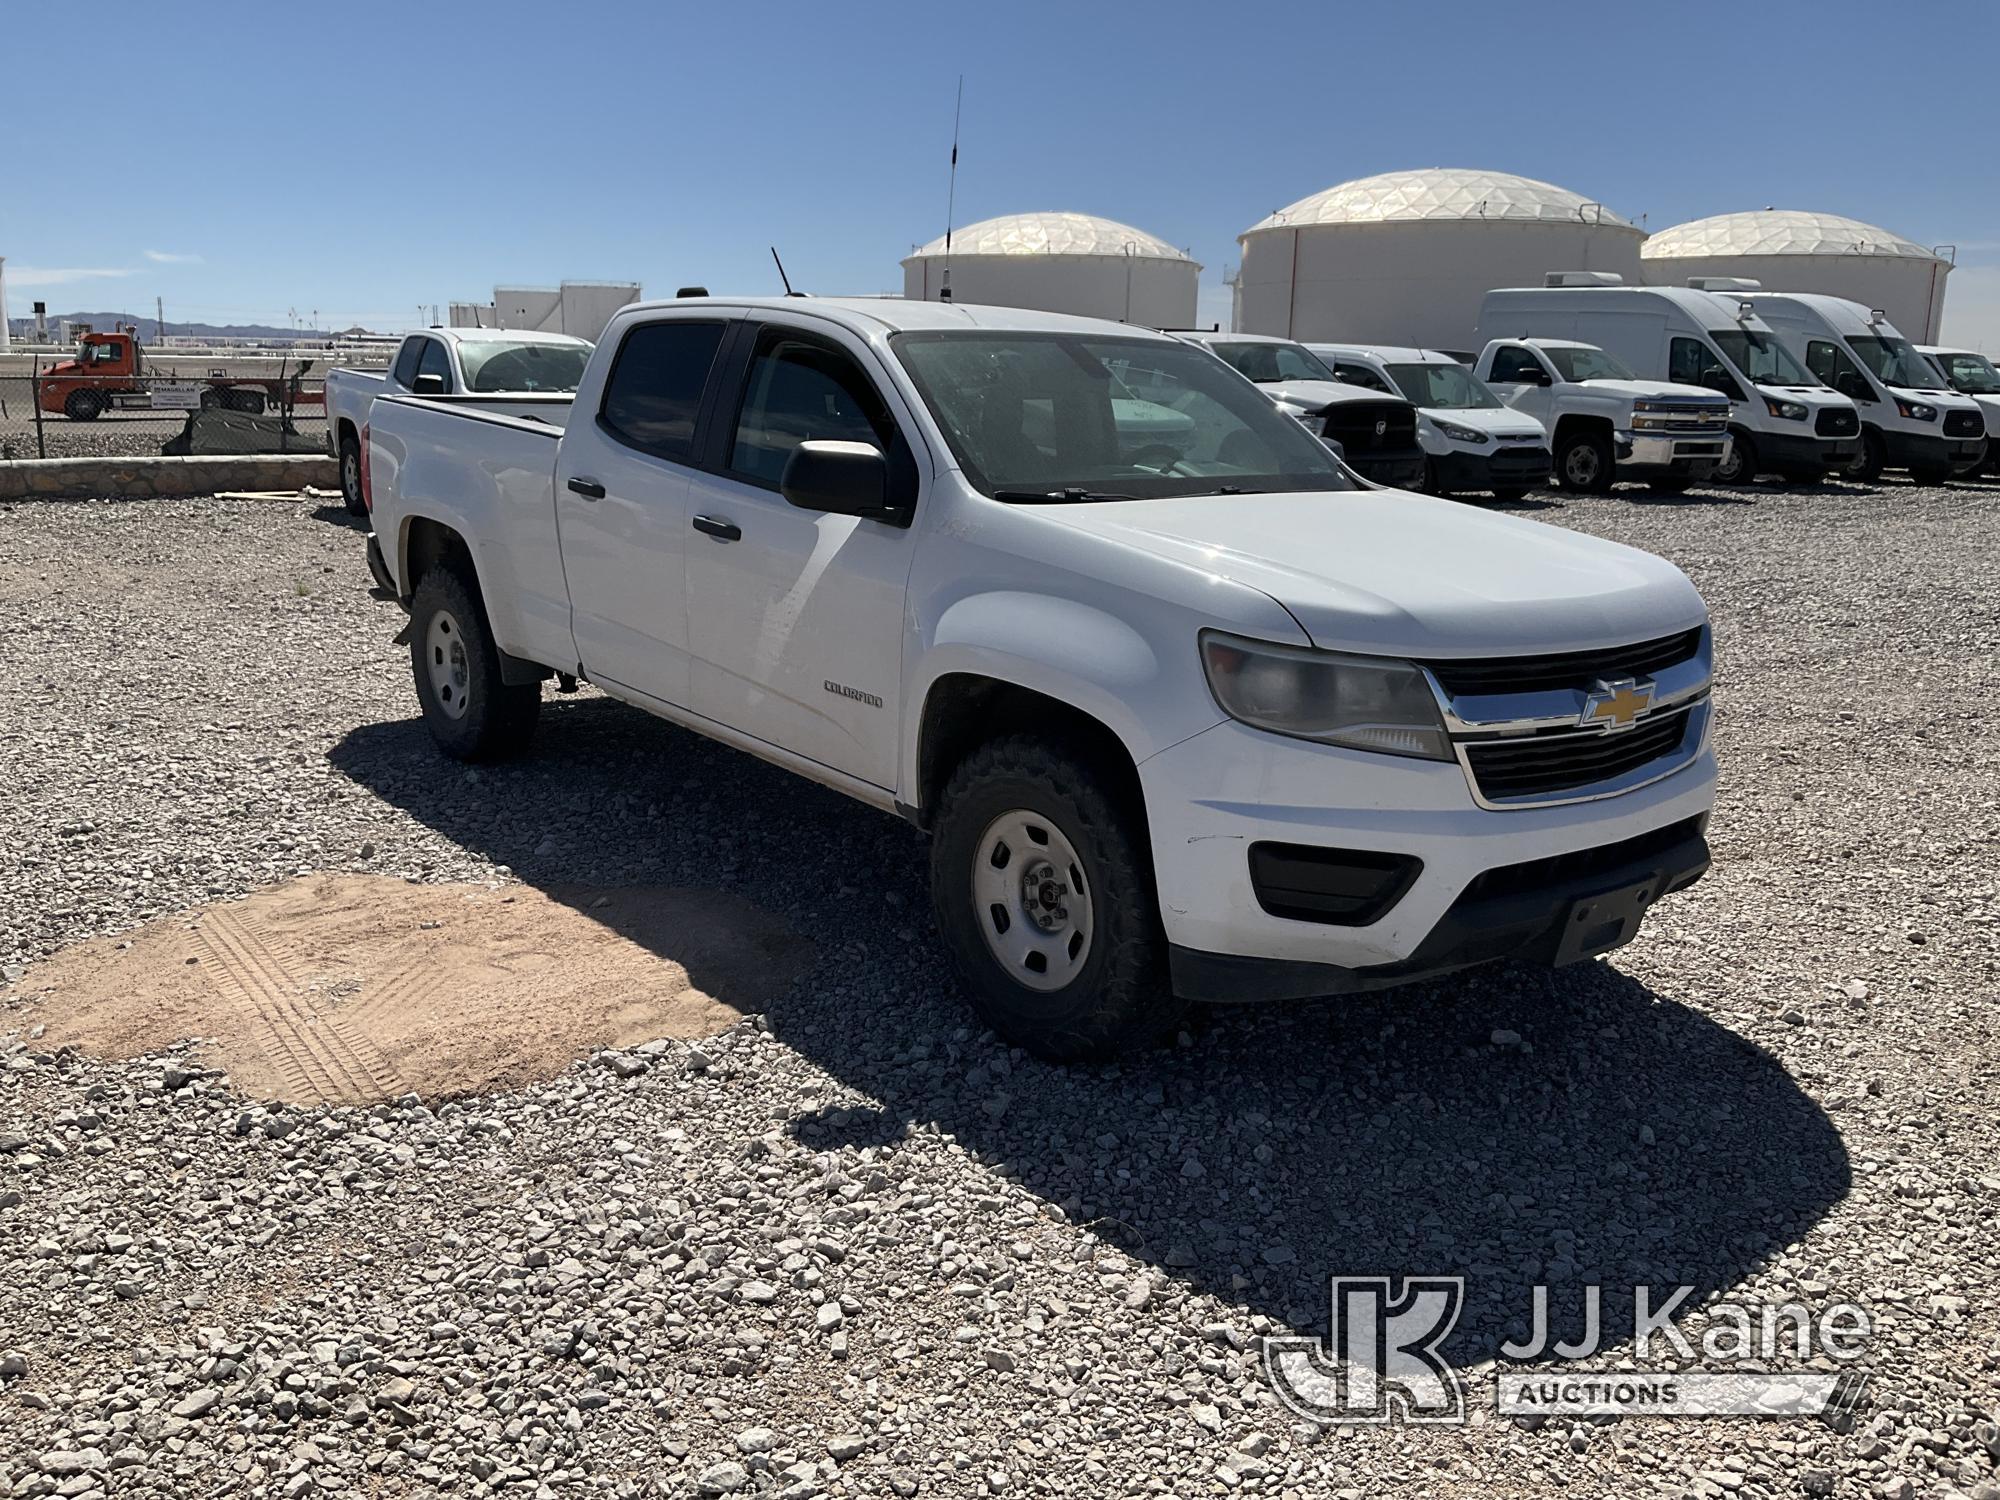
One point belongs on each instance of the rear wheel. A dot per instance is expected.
(1044, 896)
(1584, 462)
(1866, 465)
(1740, 467)
(350, 475)
(83, 406)
(470, 710)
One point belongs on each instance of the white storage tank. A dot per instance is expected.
(1404, 257)
(537, 309)
(1061, 262)
(587, 306)
(1791, 251)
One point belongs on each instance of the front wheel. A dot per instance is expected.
(83, 406)
(1866, 466)
(1044, 894)
(472, 712)
(1740, 467)
(1584, 462)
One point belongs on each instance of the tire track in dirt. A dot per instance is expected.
(314, 1051)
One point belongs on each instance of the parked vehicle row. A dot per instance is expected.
(1188, 710)
(516, 373)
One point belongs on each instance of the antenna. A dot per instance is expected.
(782, 276)
(951, 192)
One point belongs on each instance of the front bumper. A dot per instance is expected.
(1925, 450)
(1644, 453)
(1211, 797)
(1521, 466)
(1398, 469)
(1804, 450)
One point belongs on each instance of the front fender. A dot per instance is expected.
(1071, 651)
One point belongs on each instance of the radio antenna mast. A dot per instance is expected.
(781, 273)
(951, 192)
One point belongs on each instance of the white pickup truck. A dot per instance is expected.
(519, 373)
(1606, 423)
(1188, 713)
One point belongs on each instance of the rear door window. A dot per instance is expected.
(655, 388)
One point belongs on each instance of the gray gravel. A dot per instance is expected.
(856, 1247)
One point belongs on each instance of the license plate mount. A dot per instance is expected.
(1609, 919)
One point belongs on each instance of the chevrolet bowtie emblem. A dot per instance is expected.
(1615, 705)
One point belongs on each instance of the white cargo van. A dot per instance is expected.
(1909, 418)
(1781, 418)
(1472, 440)
(1971, 374)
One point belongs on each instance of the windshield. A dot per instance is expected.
(1971, 373)
(1761, 357)
(99, 354)
(1451, 386)
(1580, 362)
(1033, 416)
(1267, 363)
(493, 366)
(1894, 362)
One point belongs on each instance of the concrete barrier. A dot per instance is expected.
(147, 478)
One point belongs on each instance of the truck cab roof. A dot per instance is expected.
(898, 315)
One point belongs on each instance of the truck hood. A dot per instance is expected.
(1496, 421)
(1653, 390)
(1813, 397)
(1313, 394)
(1395, 574)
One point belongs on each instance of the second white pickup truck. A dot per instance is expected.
(520, 373)
(1188, 713)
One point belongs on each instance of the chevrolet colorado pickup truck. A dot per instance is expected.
(1188, 713)
(521, 373)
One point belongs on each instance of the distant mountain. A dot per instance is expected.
(149, 331)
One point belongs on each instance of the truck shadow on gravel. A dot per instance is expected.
(1626, 1139)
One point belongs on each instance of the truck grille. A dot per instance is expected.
(1836, 421)
(1964, 424)
(1543, 763)
(1354, 425)
(1478, 677)
(1690, 418)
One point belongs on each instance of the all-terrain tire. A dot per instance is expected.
(470, 711)
(1118, 994)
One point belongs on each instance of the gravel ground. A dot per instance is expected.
(120, 437)
(853, 1246)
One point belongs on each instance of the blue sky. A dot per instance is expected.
(414, 153)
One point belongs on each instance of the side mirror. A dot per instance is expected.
(428, 385)
(842, 479)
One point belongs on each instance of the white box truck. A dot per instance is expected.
(1781, 418)
(1909, 418)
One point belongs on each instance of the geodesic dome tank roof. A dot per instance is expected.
(1052, 234)
(1446, 193)
(1779, 231)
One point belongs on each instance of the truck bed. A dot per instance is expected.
(490, 475)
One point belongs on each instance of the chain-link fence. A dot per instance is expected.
(180, 406)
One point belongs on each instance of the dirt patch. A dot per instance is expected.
(344, 989)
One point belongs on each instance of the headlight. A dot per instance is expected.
(1460, 434)
(1313, 422)
(1360, 702)
(1916, 411)
(1791, 411)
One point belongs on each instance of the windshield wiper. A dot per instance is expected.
(1068, 495)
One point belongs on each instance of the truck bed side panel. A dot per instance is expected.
(491, 479)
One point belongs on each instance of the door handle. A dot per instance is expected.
(590, 489)
(721, 530)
